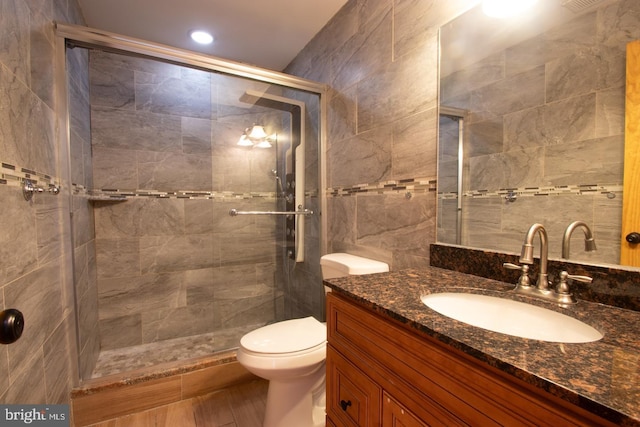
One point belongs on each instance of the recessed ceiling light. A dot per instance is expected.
(201, 37)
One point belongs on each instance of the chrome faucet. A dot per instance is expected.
(526, 256)
(589, 242)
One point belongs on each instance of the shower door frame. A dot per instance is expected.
(80, 36)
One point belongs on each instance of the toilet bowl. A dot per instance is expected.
(291, 355)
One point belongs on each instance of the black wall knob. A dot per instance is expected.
(11, 325)
(633, 238)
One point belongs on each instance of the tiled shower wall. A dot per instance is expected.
(179, 265)
(556, 143)
(35, 267)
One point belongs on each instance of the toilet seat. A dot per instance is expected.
(286, 338)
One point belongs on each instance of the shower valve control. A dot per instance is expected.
(11, 326)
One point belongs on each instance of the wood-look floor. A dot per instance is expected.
(239, 406)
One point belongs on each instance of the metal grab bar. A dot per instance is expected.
(235, 212)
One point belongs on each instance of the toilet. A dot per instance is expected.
(291, 355)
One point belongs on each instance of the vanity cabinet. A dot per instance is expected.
(383, 373)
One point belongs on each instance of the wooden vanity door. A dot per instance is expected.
(630, 252)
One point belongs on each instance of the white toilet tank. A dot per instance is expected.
(341, 265)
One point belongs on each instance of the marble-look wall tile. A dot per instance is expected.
(165, 254)
(396, 223)
(57, 365)
(27, 385)
(233, 248)
(447, 221)
(38, 296)
(83, 221)
(134, 295)
(571, 75)
(342, 115)
(415, 145)
(361, 55)
(188, 95)
(114, 169)
(18, 247)
(49, 237)
(28, 133)
(513, 169)
(139, 217)
(196, 136)
(471, 77)
(198, 216)
(366, 157)
(118, 332)
(599, 160)
(560, 122)
(113, 128)
(193, 319)
(513, 93)
(314, 61)
(41, 55)
(153, 173)
(342, 211)
(117, 257)
(575, 35)
(14, 51)
(618, 24)
(111, 85)
(484, 137)
(610, 112)
(416, 21)
(87, 314)
(239, 306)
(390, 93)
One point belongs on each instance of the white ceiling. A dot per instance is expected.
(265, 33)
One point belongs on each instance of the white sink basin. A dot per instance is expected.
(511, 317)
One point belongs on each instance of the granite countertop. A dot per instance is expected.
(602, 377)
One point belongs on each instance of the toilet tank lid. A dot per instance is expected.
(352, 264)
(287, 336)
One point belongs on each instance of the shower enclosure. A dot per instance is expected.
(160, 152)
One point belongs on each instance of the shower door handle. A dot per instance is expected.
(235, 212)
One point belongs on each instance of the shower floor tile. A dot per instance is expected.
(126, 359)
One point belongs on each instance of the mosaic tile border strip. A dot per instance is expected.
(115, 195)
(511, 194)
(16, 176)
(410, 185)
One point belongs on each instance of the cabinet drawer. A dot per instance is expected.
(396, 415)
(352, 398)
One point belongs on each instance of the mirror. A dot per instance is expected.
(532, 125)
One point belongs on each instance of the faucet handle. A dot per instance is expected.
(523, 280)
(563, 287)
